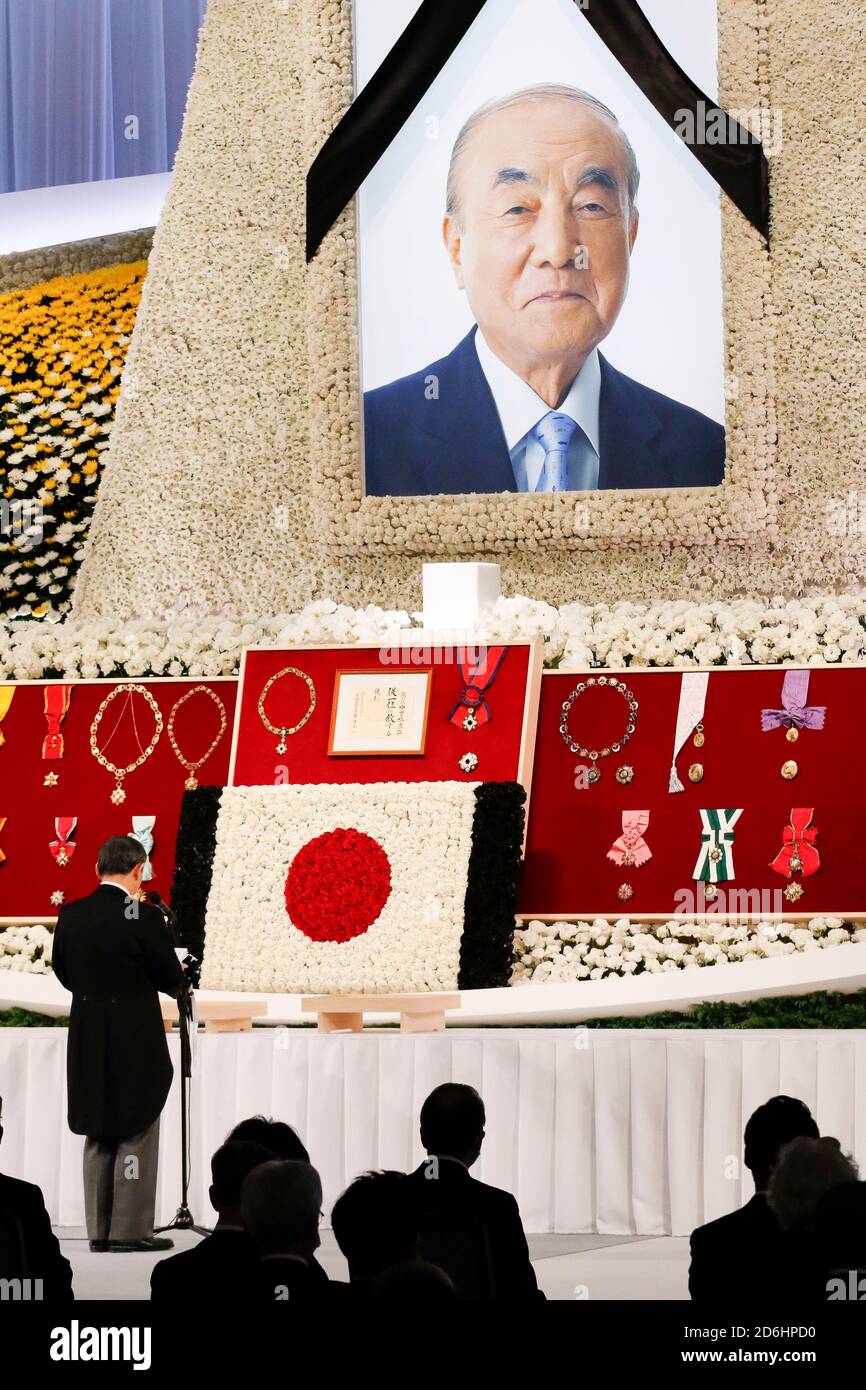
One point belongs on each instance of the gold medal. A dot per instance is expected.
(789, 770)
(696, 773)
(792, 734)
(192, 768)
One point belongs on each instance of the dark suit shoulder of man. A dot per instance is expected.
(143, 957)
(497, 1211)
(735, 1252)
(404, 419)
(645, 432)
(23, 1211)
(437, 431)
(221, 1266)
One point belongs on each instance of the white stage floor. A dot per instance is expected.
(593, 1267)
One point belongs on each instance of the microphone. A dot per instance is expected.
(163, 906)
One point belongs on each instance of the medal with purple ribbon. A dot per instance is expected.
(795, 713)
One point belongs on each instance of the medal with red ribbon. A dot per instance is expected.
(798, 854)
(62, 849)
(57, 698)
(479, 667)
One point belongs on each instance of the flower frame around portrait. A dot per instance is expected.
(742, 509)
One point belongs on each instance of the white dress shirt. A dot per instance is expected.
(520, 410)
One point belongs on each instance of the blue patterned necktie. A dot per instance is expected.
(554, 432)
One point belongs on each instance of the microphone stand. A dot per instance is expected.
(183, 1219)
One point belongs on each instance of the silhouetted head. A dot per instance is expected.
(275, 1135)
(770, 1127)
(281, 1204)
(229, 1166)
(452, 1122)
(805, 1170)
(374, 1225)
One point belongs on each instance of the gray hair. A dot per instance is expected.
(804, 1171)
(545, 91)
(281, 1202)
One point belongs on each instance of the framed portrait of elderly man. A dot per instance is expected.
(547, 314)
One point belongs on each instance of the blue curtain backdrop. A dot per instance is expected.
(72, 73)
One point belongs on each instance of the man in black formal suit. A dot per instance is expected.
(29, 1249)
(115, 954)
(225, 1265)
(741, 1254)
(471, 1230)
(281, 1203)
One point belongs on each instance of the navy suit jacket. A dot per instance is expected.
(415, 446)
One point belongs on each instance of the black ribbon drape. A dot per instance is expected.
(381, 110)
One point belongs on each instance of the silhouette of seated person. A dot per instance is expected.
(281, 1202)
(840, 1228)
(738, 1254)
(470, 1229)
(374, 1226)
(29, 1249)
(223, 1264)
(807, 1171)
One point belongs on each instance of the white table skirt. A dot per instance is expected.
(614, 1131)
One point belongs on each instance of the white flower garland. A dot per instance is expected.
(191, 643)
(558, 952)
(26, 949)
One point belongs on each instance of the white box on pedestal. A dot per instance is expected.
(455, 595)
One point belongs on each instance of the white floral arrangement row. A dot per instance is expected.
(26, 949)
(190, 642)
(559, 952)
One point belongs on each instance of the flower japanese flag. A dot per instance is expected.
(350, 888)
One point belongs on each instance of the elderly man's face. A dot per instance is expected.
(542, 239)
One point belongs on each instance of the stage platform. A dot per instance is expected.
(613, 1131)
(836, 968)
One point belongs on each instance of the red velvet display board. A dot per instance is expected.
(29, 874)
(566, 871)
(504, 745)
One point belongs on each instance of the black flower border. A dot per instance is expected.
(193, 867)
(491, 891)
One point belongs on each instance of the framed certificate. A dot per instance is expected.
(379, 712)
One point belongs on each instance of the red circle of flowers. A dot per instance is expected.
(337, 885)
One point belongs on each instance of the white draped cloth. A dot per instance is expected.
(608, 1130)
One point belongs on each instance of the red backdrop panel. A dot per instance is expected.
(571, 828)
(496, 743)
(30, 875)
